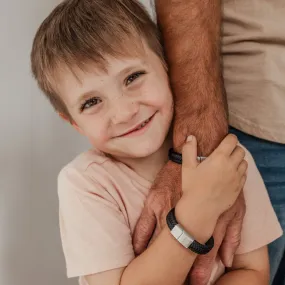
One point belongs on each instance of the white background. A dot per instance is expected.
(35, 144)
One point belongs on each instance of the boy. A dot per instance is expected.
(101, 65)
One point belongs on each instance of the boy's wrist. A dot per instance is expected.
(198, 221)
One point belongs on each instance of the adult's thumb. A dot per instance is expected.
(189, 153)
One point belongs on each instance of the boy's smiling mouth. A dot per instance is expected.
(140, 128)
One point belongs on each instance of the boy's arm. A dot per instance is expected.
(251, 268)
(165, 262)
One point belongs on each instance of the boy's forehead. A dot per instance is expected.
(128, 52)
(135, 55)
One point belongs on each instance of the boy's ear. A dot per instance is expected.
(64, 117)
(77, 128)
(74, 125)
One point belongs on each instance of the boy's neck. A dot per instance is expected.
(149, 167)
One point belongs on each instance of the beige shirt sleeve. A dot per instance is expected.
(260, 226)
(95, 235)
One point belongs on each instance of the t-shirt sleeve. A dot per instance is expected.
(95, 235)
(150, 7)
(260, 226)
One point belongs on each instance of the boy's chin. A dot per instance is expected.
(134, 153)
(142, 151)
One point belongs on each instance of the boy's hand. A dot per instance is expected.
(214, 184)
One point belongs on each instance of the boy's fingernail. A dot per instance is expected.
(189, 139)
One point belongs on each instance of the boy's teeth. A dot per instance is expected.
(143, 124)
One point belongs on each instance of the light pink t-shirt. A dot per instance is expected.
(101, 200)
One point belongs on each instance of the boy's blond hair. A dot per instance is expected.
(78, 32)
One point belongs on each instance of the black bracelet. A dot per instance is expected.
(177, 157)
(185, 239)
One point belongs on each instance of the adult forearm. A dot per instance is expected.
(243, 276)
(191, 33)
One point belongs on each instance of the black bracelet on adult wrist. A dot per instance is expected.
(185, 238)
(177, 157)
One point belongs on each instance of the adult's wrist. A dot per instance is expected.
(209, 132)
(175, 168)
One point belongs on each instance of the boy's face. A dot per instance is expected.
(125, 111)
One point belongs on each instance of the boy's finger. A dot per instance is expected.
(242, 169)
(243, 180)
(189, 153)
(228, 144)
(237, 156)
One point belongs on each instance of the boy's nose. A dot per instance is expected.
(124, 110)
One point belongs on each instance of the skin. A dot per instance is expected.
(114, 102)
(119, 100)
(165, 254)
(192, 46)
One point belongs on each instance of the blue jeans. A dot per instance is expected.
(270, 160)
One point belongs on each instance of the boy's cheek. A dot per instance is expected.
(98, 139)
(160, 99)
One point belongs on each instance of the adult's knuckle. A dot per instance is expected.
(225, 218)
(236, 240)
(141, 230)
(200, 275)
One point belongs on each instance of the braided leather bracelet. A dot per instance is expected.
(185, 238)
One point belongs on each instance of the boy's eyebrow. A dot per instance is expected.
(131, 68)
(83, 97)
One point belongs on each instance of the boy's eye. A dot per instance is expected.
(133, 77)
(89, 103)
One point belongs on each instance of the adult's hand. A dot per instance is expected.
(163, 196)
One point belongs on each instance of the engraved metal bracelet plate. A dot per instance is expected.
(183, 237)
